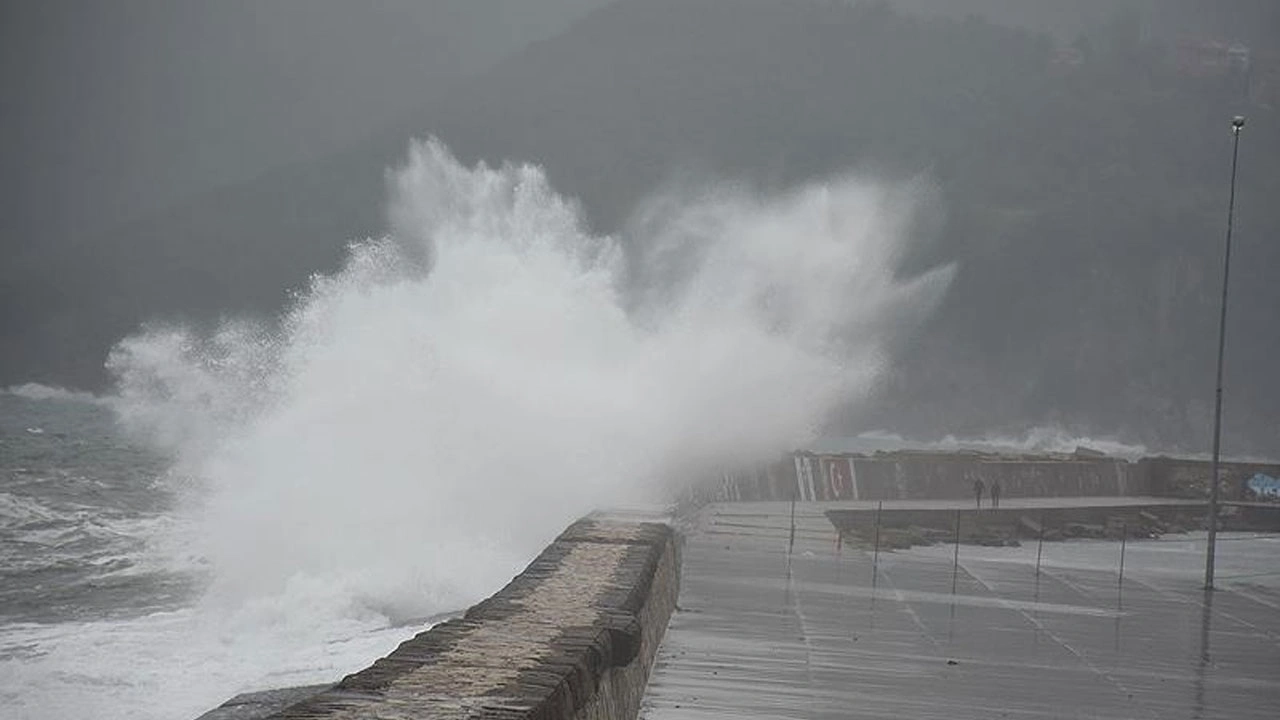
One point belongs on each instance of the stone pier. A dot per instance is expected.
(572, 637)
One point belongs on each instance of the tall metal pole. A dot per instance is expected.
(791, 539)
(1040, 546)
(875, 557)
(1124, 540)
(955, 562)
(1236, 124)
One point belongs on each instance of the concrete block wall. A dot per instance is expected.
(1177, 477)
(907, 475)
(953, 478)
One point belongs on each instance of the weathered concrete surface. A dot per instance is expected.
(1059, 518)
(255, 705)
(573, 636)
(951, 476)
(914, 475)
(816, 637)
(1176, 477)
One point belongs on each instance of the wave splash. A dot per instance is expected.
(1042, 439)
(38, 392)
(421, 422)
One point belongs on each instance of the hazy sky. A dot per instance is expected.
(234, 137)
(112, 109)
(116, 108)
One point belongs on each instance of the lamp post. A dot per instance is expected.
(1236, 124)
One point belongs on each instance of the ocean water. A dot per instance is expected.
(101, 614)
(78, 500)
(281, 502)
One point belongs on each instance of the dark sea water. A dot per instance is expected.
(103, 612)
(78, 505)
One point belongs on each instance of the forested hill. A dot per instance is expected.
(1084, 183)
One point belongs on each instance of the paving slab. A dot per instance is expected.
(827, 633)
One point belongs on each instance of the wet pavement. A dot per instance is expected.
(820, 635)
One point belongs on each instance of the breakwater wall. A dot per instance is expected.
(572, 637)
(928, 523)
(913, 475)
(903, 527)
(1177, 477)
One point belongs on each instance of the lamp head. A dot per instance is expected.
(1237, 122)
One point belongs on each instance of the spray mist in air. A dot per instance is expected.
(420, 422)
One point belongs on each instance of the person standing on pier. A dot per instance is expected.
(978, 487)
(995, 493)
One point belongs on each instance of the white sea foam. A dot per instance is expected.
(36, 391)
(17, 511)
(1041, 439)
(1034, 440)
(180, 664)
(468, 384)
(421, 422)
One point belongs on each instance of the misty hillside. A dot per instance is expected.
(126, 107)
(1083, 184)
(140, 114)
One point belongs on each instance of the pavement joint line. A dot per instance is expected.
(1062, 579)
(1191, 599)
(1251, 596)
(862, 590)
(1119, 686)
(915, 617)
(794, 597)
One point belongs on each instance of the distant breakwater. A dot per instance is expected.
(909, 523)
(920, 475)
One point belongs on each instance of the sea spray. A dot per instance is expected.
(418, 424)
(1042, 439)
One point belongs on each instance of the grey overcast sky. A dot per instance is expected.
(112, 109)
(181, 160)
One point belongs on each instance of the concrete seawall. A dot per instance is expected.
(903, 523)
(571, 637)
(921, 475)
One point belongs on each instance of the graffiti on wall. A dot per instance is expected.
(824, 478)
(838, 472)
(1263, 487)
